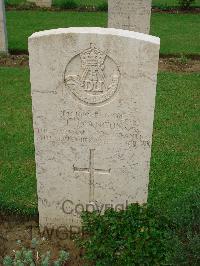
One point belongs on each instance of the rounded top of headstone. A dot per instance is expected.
(94, 30)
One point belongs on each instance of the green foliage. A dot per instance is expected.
(20, 5)
(67, 4)
(31, 257)
(8, 261)
(63, 256)
(186, 234)
(163, 4)
(183, 59)
(186, 4)
(103, 6)
(137, 236)
(142, 236)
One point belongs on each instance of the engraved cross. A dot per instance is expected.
(91, 171)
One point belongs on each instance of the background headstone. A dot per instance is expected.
(3, 32)
(93, 95)
(43, 3)
(131, 15)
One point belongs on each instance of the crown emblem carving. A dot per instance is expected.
(92, 57)
(97, 77)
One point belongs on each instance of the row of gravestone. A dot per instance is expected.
(3, 32)
(42, 3)
(93, 97)
(129, 14)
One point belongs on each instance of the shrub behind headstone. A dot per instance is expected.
(186, 4)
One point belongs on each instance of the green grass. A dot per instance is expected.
(178, 33)
(97, 2)
(32, 21)
(17, 166)
(175, 160)
(174, 165)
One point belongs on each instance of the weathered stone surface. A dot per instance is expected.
(93, 94)
(131, 15)
(43, 3)
(3, 33)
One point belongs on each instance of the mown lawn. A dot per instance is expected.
(174, 165)
(32, 21)
(17, 165)
(97, 2)
(178, 32)
(175, 153)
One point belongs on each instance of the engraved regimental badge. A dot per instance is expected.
(92, 76)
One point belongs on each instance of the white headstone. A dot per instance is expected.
(3, 33)
(43, 3)
(131, 15)
(93, 96)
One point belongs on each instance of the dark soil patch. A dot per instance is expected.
(169, 10)
(172, 64)
(13, 228)
(179, 65)
(14, 60)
